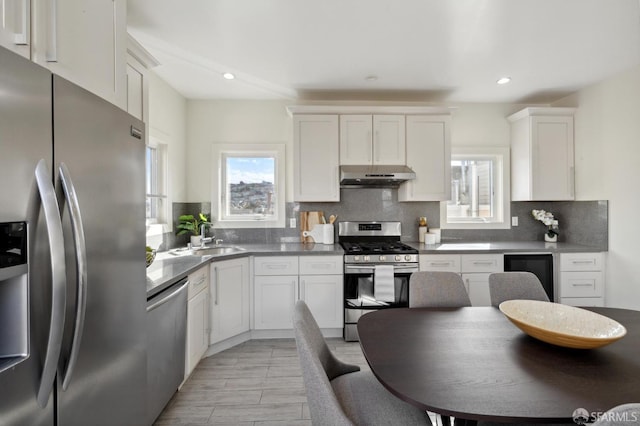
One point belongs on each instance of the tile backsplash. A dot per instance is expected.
(581, 222)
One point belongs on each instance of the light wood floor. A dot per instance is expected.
(256, 383)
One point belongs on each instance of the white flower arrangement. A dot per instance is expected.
(548, 219)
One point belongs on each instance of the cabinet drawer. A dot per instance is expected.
(581, 262)
(320, 265)
(276, 265)
(581, 284)
(438, 262)
(198, 281)
(478, 263)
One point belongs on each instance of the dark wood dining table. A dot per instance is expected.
(473, 363)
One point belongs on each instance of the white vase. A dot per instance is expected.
(549, 239)
(196, 240)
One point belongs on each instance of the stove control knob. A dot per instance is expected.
(356, 258)
(365, 258)
(407, 257)
(383, 258)
(399, 258)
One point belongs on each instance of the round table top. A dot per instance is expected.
(472, 363)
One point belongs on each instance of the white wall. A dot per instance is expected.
(607, 134)
(167, 122)
(236, 122)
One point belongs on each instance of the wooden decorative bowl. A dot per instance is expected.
(562, 325)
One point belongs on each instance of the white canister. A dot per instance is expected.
(327, 234)
(430, 238)
(422, 231)
(436, 231)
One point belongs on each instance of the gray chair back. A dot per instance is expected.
(625, 414)
(515, 285)
(319, 366)
(437, 290)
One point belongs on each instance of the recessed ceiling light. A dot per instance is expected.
(371, 78)
(504, 80)
(229, 76)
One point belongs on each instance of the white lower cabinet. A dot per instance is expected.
(474, 269)
(230, 298)
(280, 281)
(582, 279)
(198, 324)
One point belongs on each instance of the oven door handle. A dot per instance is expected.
(355, 269)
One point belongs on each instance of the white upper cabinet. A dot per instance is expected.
(84, 41)
(542, 156)
(372, 139)
(316, 163)
(15, 26)
(428, 145)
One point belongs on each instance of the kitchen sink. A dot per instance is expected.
(216, 250)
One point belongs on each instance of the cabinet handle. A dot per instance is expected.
(370, 154)
(583, 262)
(483, 263)
(300, 289)
(375, 146)
(582, 285)
(276, 266)
(440, 263)
(215, 274)
(21, 38)
(572, 181)
(52, 39)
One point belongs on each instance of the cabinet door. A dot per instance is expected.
(428, 146)
(197, 329)
(389, 139)
(478, 288)
(84, 41)
(229, 298)
(356, 139)
(316, 158)
(552, 162)
(15, 26)
(274, 299)
(324, 296)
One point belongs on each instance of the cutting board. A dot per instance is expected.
(307, 221)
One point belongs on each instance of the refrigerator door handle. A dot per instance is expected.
(58, 280)
(81, 269)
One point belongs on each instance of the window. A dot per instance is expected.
(156, 187)
(479, 189)
(250, 185)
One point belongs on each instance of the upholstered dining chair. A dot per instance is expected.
(625, 414)
(339, 393)
(515, 285)
(435, 289)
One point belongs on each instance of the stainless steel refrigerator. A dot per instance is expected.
(72, 262)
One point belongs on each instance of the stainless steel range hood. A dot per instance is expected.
(374, 176)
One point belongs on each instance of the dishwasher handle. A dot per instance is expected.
(168, 297)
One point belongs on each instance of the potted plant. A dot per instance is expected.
(551, 235)
(190, 224)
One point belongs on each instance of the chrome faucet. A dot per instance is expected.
(203, 239)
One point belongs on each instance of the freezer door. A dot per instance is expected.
(25, 139)
(102, 370)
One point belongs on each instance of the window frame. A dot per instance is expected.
(161, 223)
(218, 187)
(501, 189)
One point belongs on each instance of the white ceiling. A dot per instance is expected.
(420, 50)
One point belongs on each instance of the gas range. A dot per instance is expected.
(374, 243)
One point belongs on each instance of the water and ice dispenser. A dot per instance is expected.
(14, 294)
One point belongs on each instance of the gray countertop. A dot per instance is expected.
(168, 268)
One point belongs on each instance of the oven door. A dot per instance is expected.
(359, 293)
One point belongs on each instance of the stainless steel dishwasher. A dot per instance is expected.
(166, 338)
